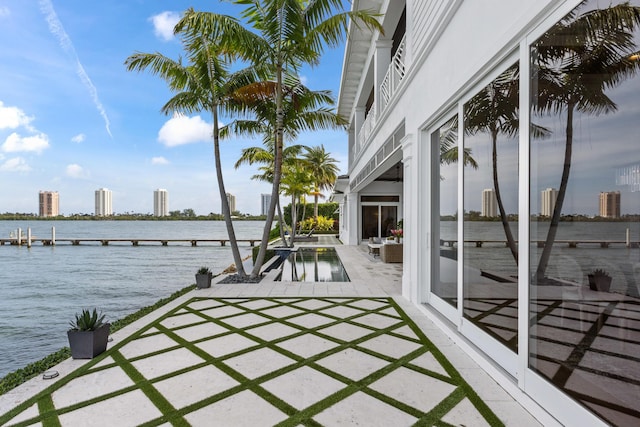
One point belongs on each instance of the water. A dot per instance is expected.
(313, 265)
(566, 263)
(42, 288)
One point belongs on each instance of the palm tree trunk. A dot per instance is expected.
(564, 181)
(281, 223)
(237, 259)
(315, 206)
(294, 218)
(277, 174)
(511, 243)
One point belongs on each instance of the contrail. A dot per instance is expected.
(56, 28)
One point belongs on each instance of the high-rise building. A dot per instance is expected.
(548, 201)
(49, 203)
(231, 199)
(489, 203)
(265, 202)
(610, 204)
(160, 202)
(104, 200)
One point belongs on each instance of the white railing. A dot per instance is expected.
(394, 75)
(365, 130)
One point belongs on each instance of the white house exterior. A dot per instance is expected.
(453, 85)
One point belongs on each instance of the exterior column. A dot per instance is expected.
(382, 61)
(410, 221)
(358, 120)
(352, 216)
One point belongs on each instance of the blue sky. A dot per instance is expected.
(73, 120)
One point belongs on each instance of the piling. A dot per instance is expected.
(628, 239)
(29, 237)
(53, 236)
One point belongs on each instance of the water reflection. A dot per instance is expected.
(585, 91)
(313, 265)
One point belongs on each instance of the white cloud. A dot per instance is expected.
(76, 171)
(164, 23)
(78, 138)
(56, 28)
(180, 130)
(35, 143)
(13, 117)
(4, 11)
(17, 164)
(159, 161)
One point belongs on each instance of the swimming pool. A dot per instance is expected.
(313, 265)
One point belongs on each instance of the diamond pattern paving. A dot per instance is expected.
(266, 361)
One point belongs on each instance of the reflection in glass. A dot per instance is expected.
(491, 123)
(585, 210)
(444, 163)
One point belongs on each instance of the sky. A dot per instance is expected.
(73, 119)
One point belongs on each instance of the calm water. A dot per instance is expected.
(41, 288)
(571, 264)
(313, 265)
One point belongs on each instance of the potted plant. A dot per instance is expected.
(599, 280)
(88, 334)
(203, 278)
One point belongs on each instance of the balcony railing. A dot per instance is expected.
(394, 75)
(366, 129)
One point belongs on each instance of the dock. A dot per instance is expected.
(540, 243)
(108, 241)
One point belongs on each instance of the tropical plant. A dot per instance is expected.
(203, 270)
(296, 182)
(324, 170)
(303, 110)
(204, 84)
(576, 62)
(87, 320)
(291, 33)
(599, 272)
(321, 223)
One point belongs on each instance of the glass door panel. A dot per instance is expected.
(491, 208)
(444, 176)
(370, 222)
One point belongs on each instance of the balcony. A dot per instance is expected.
(394, 75)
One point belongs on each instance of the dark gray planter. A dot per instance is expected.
(599, 283)
(203, 280)
(88, 344)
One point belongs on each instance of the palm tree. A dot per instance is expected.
(265, 156)
(577, 61)
(290, 33)
(324, 170)
(204, 84)
(303, 110)
(297, 181)
(494, 110)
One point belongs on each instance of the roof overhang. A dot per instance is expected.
(355, 58)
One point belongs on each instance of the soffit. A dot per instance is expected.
(355, 58)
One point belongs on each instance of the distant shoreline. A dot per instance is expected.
(133, 217)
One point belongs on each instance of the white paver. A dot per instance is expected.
(361, 409)
(241, 409)
(303, 387)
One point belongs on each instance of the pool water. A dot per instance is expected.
(313, 265)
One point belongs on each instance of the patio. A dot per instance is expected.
(276, 353)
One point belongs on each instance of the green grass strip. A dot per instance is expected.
(168, 411)
(473, 397)
(22, 375)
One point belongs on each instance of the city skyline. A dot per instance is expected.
(76, 120)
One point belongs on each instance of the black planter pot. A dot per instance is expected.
(203, 280)
(88, 344)
(599, 283)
